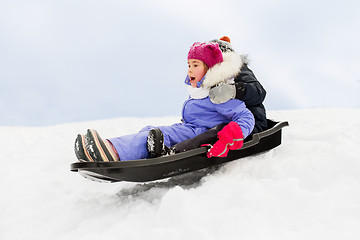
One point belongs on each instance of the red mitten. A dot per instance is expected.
(230, 138)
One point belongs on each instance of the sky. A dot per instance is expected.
(72, 61)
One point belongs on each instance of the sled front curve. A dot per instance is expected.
(144, 170)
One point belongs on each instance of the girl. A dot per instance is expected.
(199, 115)
(246, 88)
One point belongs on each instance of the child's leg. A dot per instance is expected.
(134, 146)
(131, 147)
(208, 137)
(178, 132)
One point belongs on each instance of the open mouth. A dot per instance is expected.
(192, 79)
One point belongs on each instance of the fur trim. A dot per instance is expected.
(198, 93)
(245, 59)
(225, 70)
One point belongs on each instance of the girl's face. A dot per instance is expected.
(197, 70)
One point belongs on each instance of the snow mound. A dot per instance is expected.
(307, 188)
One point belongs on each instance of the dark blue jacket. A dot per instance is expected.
(249, 90)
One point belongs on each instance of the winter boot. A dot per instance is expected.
(155, 144)
(99, 149)
(80, 150)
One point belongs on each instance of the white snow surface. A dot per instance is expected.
(307, 188)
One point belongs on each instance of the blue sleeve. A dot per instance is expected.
(236, 111)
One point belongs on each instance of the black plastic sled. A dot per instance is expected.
(144, 170)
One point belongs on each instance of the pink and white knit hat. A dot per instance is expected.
(207, 52)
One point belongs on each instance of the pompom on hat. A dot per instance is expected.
(207, 52)
(225, 38)
(224, 44)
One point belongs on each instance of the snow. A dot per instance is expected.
(307, 188)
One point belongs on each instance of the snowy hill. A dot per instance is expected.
(307, 188)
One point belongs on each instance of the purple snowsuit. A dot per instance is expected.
(199, 115)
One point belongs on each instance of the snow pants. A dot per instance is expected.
(134, 146)
(208, 137)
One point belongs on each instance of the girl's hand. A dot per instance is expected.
(230, 138)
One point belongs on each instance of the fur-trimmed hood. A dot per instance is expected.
(224, 71)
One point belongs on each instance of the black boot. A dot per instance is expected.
(155, 144)
(98, 148)
(80, 150)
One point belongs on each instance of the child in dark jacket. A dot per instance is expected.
(206, 65)
(246, 88)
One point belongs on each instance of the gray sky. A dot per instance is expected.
(80, 60)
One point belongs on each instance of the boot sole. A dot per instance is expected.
(97, 148)
(155, 143)
(80, 150)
